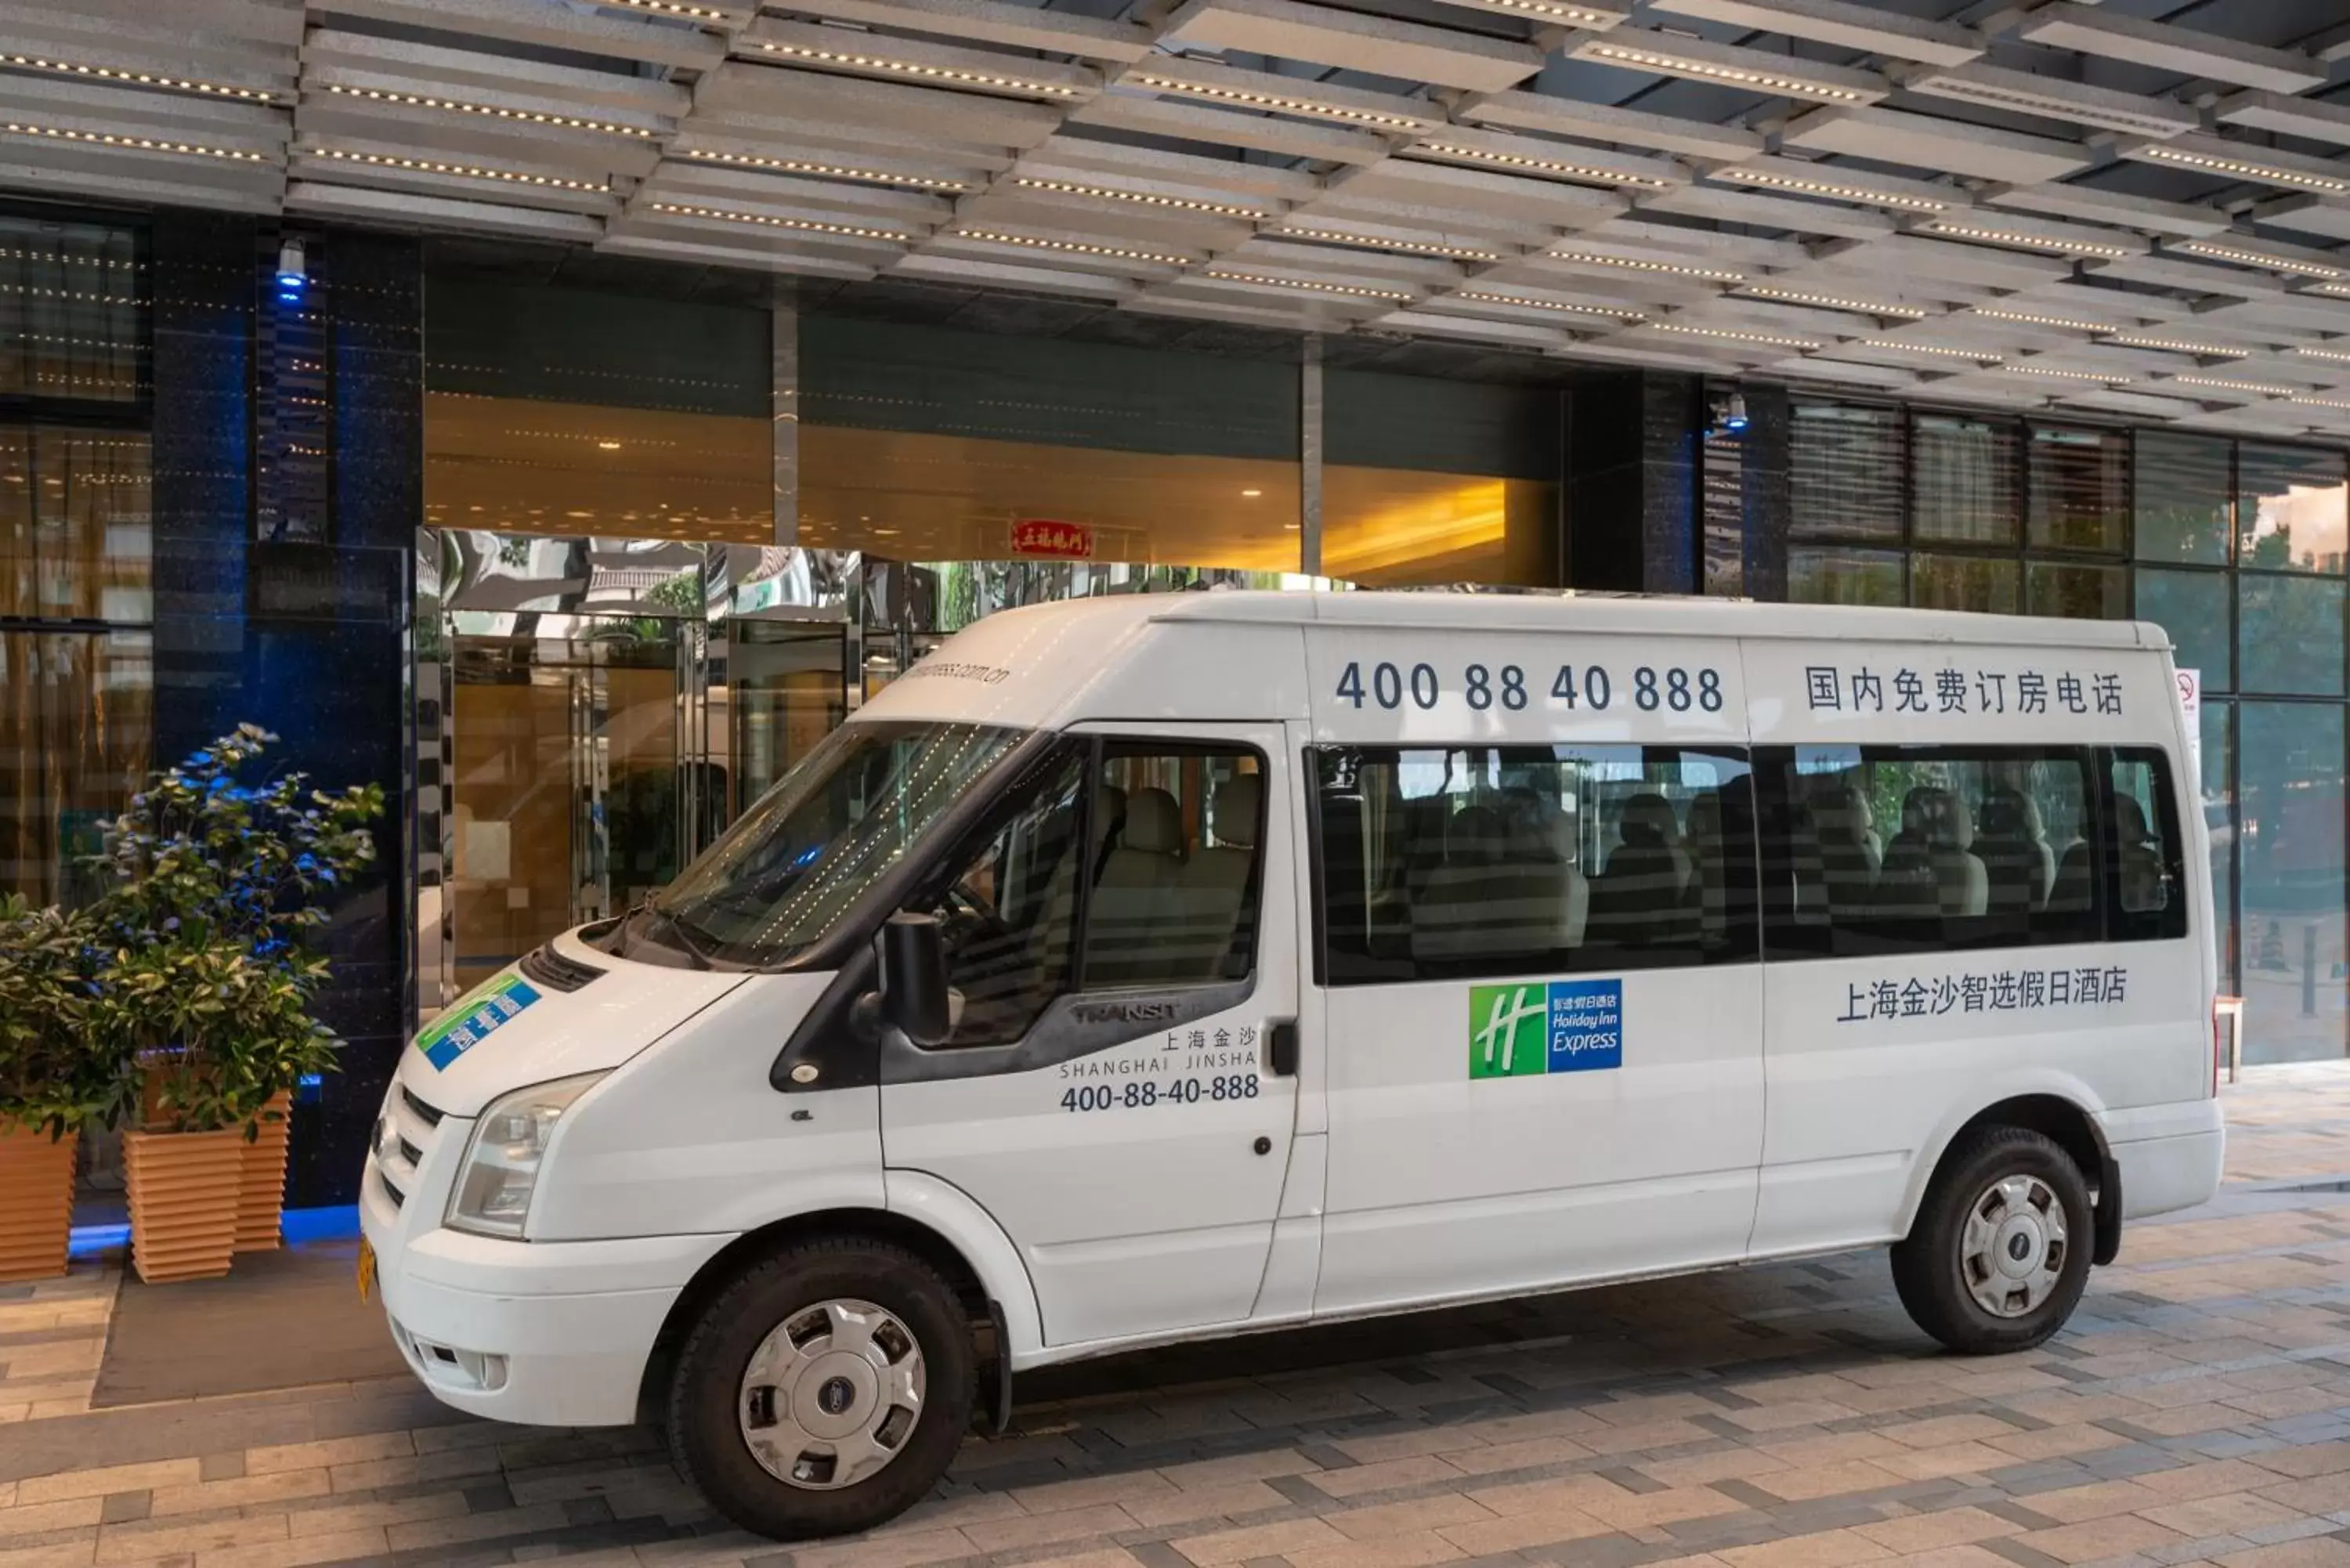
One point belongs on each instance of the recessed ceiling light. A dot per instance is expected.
(1984, 355)
(1638, 56)
(2319, 401)
(2051, 370)
(1279, 103)
(2177, 345)
(670, 8)
(821, 170)
(2241, 256)
(1487, 296)
(1223, 275)
(1138, 197)
(1834, 301)
(1590, 173)
(137, 78)
(1072, 247)
(2068, 323)
(952, 74)
(2264, 388)
(494, 111)
(1401, 247)
(1251, 494)
(1804, 185)
(460, 170)
(607, 446)
(132, 143)
(1637, 263)
(800, 226)
(2022, 239)
(1734, 335)
(2245, 168)
(2334, 356)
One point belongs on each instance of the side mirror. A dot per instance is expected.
(914, 997)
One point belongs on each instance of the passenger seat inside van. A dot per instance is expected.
(1931, 869)
(1637, 899)
(2014, 847)
(1212, 884)
(1133, 889)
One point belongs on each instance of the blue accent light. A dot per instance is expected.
(1735, 424)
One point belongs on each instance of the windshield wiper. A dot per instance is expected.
(677, 931)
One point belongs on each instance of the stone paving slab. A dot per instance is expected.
(1782, 1416)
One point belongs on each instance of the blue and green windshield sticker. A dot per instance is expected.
(474, 1019)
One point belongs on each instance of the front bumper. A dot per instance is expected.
(540, 1333)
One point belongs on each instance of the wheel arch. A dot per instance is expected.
(2059, 1114)
(971, 1289)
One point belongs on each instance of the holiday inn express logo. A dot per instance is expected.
(1558, 1026)
(1508, 1034)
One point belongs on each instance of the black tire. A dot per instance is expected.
(705, 1434)
(1933, 1278)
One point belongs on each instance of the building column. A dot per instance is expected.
(1633, 481)
(1766, 481)
(784, 342)
(1309, 457)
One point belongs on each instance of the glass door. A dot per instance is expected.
(574, 786)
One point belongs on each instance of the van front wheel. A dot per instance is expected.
(825, 1391)
(1999, 1253)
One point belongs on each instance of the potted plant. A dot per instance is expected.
(217, 889)
(52, 1084)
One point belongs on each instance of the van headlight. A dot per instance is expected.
(502, 1159)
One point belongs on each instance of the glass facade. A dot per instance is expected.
(77, 600)
(2235, 548)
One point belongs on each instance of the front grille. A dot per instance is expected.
(398, 1198)
(553, 971)
(432, 1118)
(410, 1153)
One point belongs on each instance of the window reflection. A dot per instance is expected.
(2293, 865)
(2289, 633)
(1963, 582)
(1845, 471)
(74, 538)
(2182, 483)
(1965, 477)
(2293, 510)
(2079, 489)
(75, 740)
(2192, 607)
(2076, 593)
(1821, 575)
(70, 312)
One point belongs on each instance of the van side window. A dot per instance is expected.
(1895, 849)
(1175, 866)
(1151, 847)
(2145, 849)
(1440, 864)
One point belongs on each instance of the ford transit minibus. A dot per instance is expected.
(1153, 969)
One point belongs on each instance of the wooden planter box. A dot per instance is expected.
(184, 1191)
(261, 1196)
(37, 1189)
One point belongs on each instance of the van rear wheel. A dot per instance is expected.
(1999, 1253)
(825, 1391)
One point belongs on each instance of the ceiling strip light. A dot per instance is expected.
(670, 8)
(1485, 296)
(2320, 402)
(1223, 276)
(138, 79)
(1834, 301)
(1734, 335)
(1545, 166)
(953, 74)
(2028, 242)
(1739, 76)
(1073, 247)
(466, 171)
(1772, 179)
(1982, 356)
(564, 122)
(1578, 16)
(2219, 252)
(2068, 323)
(2334, 355)
(822, 171)
(132, 143)
(2262, 388)
(2177, 345)
(1635, 263)
(2064, 375)
(1279, 103)
(2269, 174)
(2338, 290)
(798, 226)
(1139, 198)
(1401, 247)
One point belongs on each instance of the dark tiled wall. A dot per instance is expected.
(1767, 484)
(308, 639)
(1633, 438)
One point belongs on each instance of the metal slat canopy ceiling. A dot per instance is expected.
(2138, 206)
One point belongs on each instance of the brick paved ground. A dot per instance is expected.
(1783, 1417)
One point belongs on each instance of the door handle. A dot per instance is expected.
(1280, 1049)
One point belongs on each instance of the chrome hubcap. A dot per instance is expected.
(2012, 1250)
(831, 1395)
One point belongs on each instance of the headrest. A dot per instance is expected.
(1109, 807)
(1648, 819)
(1475, 837)
(1705, 816)
(2129, 820)
(2006, 814)
(1232, 810)
(1153, 824)
(1939, 817)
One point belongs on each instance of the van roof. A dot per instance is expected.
(1568, 611)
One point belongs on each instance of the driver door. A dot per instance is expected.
(1121, 933)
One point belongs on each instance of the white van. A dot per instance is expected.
(1151, 968)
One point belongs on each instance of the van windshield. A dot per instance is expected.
(785, 874)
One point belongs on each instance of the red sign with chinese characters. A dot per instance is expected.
(1060, 541)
